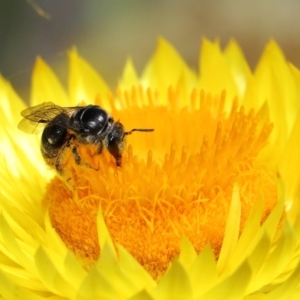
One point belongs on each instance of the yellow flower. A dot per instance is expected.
(204, 207)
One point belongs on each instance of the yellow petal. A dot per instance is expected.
(290, 162)
(242, 75)
(167, 69)
(215, 75)
(231, 230)
(239, 280)
(283, 90)
(46, 87)
(96, 286)
(188, 254)
(50, 275)
(10, 103)
(175, 284)
(129, 77)
(143, 295)
(85, 85)
(276, 85)
(203, 273)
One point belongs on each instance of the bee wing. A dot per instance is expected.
(28, 126)
(37, 117)
(42, 113)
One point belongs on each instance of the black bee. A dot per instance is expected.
(67, 127)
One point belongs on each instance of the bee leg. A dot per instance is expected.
(78, 159)
(76, 155)
(100, 146)
(59, 158)
(58, 167)
(116, 151)
(118, 158)
(115, 143)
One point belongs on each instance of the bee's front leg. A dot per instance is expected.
(115, 142)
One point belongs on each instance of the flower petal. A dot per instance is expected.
(129, 77)
(241, 73)
(187, 255)
(97, 286)
(143, 295)
(203, 274)
(276, 85)
(175, 284)
(287, 289)
(10, 103)
(50, 275)
(290, 164)
(284, 84)
(232, 229)
(46, 86)
(167, 69)
(224, 290)
(84, 82)
(123, 273)
(215, 74)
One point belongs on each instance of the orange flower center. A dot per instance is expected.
(174, 182)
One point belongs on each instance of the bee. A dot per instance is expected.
(69, 127)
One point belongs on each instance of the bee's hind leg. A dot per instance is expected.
(59, 159)
(76, 155)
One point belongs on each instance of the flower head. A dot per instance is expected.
(206, 205)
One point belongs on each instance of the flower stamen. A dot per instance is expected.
(182, 187)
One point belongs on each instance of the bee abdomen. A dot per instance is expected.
(53, 138)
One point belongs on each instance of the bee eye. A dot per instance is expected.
(94, 119)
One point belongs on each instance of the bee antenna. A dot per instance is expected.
(138, 129)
